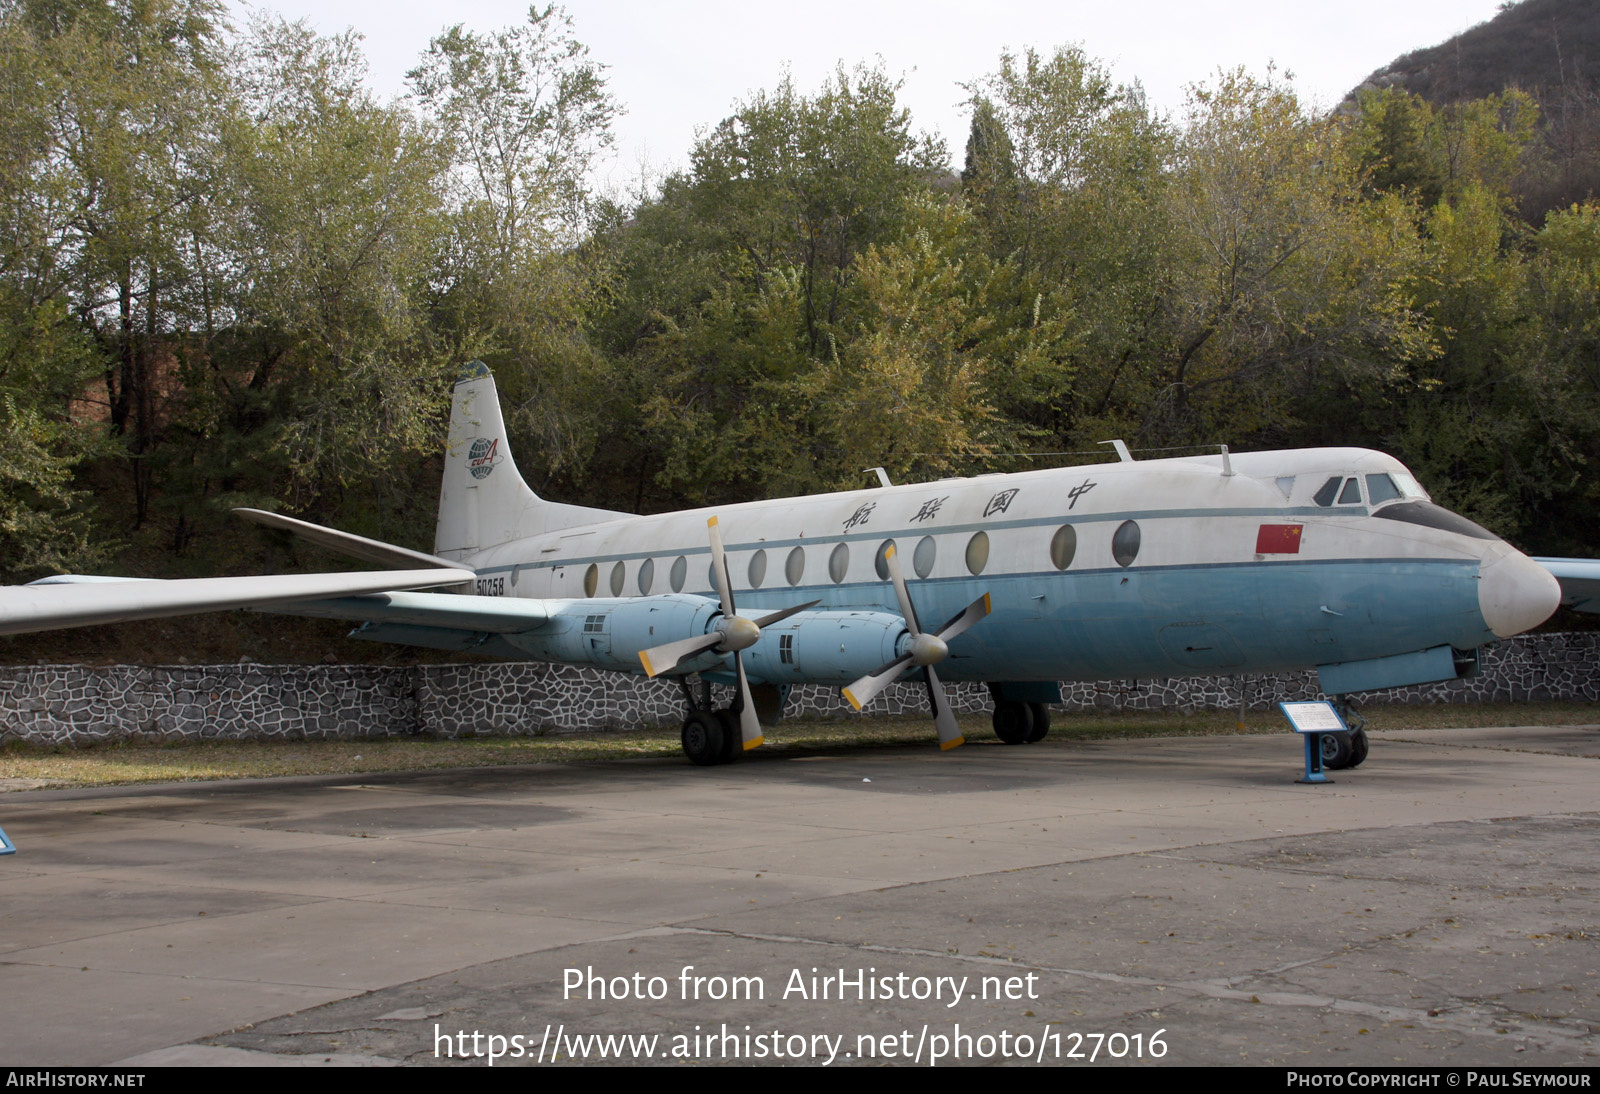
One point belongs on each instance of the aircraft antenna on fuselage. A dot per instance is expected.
(1122, 449)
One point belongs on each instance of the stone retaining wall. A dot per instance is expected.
(74, 704)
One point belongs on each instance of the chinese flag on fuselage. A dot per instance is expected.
(1278, 539)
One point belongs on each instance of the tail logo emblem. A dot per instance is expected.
(482, 457)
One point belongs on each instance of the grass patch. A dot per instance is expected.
(130, 762)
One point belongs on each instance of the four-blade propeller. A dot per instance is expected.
(925, 651)
(731, 634)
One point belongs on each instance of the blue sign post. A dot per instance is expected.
(1311, 721)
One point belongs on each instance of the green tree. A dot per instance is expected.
(1284, 282)
(523, 112)
(316, 369)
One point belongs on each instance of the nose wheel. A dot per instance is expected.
(1345, 750)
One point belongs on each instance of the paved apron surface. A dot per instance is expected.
(1438, 905)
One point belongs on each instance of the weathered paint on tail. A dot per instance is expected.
(483, 501)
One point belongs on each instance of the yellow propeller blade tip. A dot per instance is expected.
(948, 745)
(757, 743)
(852, 698)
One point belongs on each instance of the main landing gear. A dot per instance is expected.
(709, 736)
(1019, 723)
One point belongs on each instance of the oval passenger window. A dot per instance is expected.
(794, 568)
(1063, 545)
(1125, 543)
(880, 561)
(839, 563)
(977, 552)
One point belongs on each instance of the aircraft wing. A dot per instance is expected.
(76, 601)
(475, 614)
(1580, 581)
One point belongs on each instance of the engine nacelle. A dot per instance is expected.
(817, 646)
(608, 633)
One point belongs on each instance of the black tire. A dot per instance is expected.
(1358, 747)
(1013, 722)
(1041, 721)
(1336, 751)
(732, 735)
(703, 738)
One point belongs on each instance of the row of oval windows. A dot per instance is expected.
(1063, 547)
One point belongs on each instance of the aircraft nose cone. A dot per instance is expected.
(1516, 594)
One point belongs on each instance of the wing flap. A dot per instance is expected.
(475, 614)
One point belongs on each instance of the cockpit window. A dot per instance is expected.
(1410, 488)
(1351, 494)
(1324, 495)
(1381, 488)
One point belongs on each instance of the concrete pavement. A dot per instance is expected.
(1436, 906)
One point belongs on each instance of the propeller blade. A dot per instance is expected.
(908, 611)
(719, 560)
(665, 658)
(943, 717)
(965, 618)
(864, 690)
(745, 707)
(765, 621)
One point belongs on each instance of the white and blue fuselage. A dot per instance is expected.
(1173, 567)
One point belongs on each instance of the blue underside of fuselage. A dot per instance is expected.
(1181, 620)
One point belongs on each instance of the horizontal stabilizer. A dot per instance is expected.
(79, 602)
(345, 543)
(1579, 579)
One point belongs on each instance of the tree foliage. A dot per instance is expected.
(230, 274)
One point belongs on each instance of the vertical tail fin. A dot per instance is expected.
(483, 501)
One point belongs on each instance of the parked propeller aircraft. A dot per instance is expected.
(1330, 558)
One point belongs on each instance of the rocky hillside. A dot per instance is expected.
(1544, 47)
